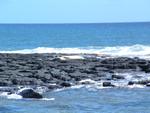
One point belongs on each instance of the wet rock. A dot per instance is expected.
(8, 89)
(43, 69)
(5, 82)
(148, 85)
(52, 87)
(117, 77)
(65, 84)
(107, 84)
(130, 83)
(29, 93)
(143, 82)
(145, 68)
(1, 70)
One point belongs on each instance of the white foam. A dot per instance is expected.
(4, 94)
(26, 88)
(136, 86)
(53, 50)
(10, 96)
(77, 86)
(41, 90)
(48, 99)
(61, 89)
(71, 57)
(14, 96)
(142, 51)
(88, 80)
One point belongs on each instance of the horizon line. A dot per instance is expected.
(83, 22)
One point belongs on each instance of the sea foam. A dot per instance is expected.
(141, 51)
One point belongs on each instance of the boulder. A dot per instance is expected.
(107, 84)
(29, 93)
(130, 83)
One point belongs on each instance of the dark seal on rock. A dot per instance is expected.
(29, 93)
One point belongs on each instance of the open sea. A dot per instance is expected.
(118, 39)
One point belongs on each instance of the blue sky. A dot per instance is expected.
(74, 11)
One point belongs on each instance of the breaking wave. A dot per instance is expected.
(142, 51)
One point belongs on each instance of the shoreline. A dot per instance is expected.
(55, 71)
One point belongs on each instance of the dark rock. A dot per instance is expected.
(117, 77)
(43, 69)
(65, 84)
(144, 65)
(5, 83)
(107, 84)
(8, 89)
(130, 83)
(14, 81)
(148, 85)
(29, 93)
(52, 87)
(143, 82)
(1, 70)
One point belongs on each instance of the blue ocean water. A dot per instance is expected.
(119, 38)
(83, 101)
(30, 36)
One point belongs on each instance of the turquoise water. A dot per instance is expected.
(84, 101)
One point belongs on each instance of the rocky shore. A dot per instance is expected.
(59, 70)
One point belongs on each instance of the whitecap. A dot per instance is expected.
(141, 51)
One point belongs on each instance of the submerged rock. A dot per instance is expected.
(29, 93)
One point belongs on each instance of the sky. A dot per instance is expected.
(74, 11)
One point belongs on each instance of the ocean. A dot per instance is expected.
(114, 39)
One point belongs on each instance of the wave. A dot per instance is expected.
(129, 51)
(18, 97)
(92, 85)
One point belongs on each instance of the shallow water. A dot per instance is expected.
(83, 100)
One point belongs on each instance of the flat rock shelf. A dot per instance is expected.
(55, 71)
